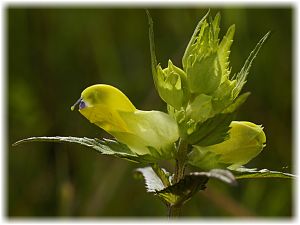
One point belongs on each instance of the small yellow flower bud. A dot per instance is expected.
(246, 141)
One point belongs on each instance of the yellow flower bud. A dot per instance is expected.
(246, 141)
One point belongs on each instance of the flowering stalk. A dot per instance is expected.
(180, 164)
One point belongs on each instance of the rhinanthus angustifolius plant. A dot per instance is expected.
(198, 129)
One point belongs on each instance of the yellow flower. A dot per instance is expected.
(111, 110)
(245, 142)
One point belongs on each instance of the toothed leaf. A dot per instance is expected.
(212, 131)
(242, 75)
(105, 146)
(191, 45)
(243, 173)
(152, 181)
(224, 51)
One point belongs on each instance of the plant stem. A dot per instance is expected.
(175, 210)
(180, 160)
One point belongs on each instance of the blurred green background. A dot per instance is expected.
(54, 53)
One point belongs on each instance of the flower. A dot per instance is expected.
(246, 140)
(144, 132)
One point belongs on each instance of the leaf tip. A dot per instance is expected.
(150, 21)
(16, 144)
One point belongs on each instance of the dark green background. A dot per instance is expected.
(54, 53)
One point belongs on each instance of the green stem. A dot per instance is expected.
(181, 156)
(174, 211)
(180, 160)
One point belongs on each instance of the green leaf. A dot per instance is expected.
(105, 147)
(171, 85)
(237, 103)
(191, 45)
(200, 109)
(243, 173)
(242, 75)
(183, 190)
(115, 145)
(216, 28)
(152, 44)
(204, 73)
(224, 51)
(215, 129)
(212, 131)
(205, 160)
(164, 175)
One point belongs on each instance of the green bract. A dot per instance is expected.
(206, 60)
(171, 85)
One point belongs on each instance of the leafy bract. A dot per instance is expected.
(205, 160)
(200, 108)
(204, 74)
(242, 75)
(171, 85)
(212, 131)
(224, 52)
(202, 62)
(236, 103)
(190, 49)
